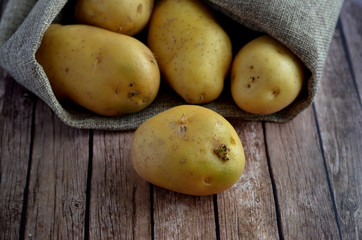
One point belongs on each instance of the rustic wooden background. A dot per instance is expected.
(302, 179)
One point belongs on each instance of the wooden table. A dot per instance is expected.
(302, 179)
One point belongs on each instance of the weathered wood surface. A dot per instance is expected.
(303, 178)
(351, 27)
(16, 107)
(339, 118)
(120, 205)
(56, 202)
(248, 209)
(297, 167)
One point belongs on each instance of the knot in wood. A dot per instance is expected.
(16, 205)
(351, 205)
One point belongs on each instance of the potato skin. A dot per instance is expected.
(179, 149)
(123, 16)
(108, 73)
(193, 51)
(266, 76)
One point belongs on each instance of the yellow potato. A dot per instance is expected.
(106, 72)
(188, 149)
(124, 16)
(193, 51)
(265, 76)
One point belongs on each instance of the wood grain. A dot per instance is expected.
(58, 179)
(16, 108)
(340, 121)
(180, 216)
(351, 20)
(297, 165)
(247, 210)
(120, 201)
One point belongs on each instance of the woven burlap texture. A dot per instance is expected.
(305, 27)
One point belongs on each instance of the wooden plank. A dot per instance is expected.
(120, 201)
(339, 116)
(58, 179)
(351, 20)
(247, 210)
(303, 196)
(16, 108)
(180, 216)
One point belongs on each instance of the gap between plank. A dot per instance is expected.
(327, 173)
(216, 216)
(26, 190)
(274, 189)
(88, 188)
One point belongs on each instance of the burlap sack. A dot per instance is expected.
(306, 27)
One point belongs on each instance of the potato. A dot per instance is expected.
(188, 149)
(193, 51)
(108, 73)
(265, 76)
(124, 16)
